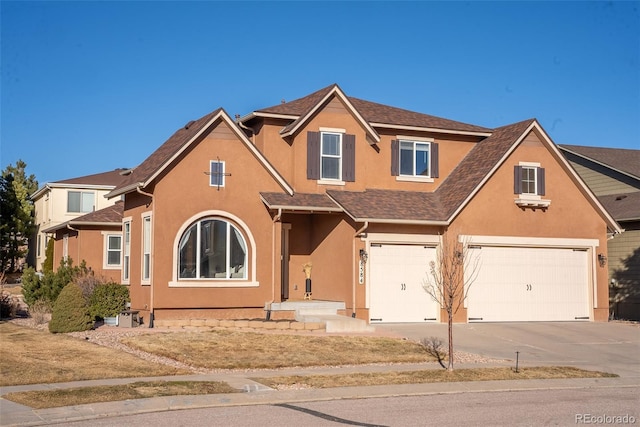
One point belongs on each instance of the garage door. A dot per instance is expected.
(529, 284)
(396, 276)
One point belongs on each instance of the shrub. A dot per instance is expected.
(47, 286)
(40, 312)
(70, 311)
(8, 306)
(47, 265)
(108, 300)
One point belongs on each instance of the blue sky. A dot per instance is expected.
(92, 86)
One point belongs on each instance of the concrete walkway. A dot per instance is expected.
(567, 344)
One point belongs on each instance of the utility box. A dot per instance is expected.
(129, 319)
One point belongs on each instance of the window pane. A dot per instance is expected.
(406, 158)
(114, 243)
(113, 258)
(238, 255)
(87, 202)
(187, 248)
(331, 144)
(73, 201)
(125, 268)
(217, 173)
(330, 168)
(529, 180)
(422, 159)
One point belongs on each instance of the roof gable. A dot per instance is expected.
(103, 180)
(190, 134)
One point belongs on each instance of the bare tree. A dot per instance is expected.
(449, 279)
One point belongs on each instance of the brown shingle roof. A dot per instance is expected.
(306, 201)
(110, 178)
(170, 147)
(373, 113)
(624, 160)
(389, 205)
(484, 156)
(622, 207)
(109, 215)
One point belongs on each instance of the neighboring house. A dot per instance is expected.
(60, 201)
(222, 217)
(95, 238)
(613, 175)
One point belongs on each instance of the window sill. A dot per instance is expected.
(532, 202)
(414, 179)
(212, 284)
(330, 182)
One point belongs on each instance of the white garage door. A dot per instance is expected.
(396, 276)
(529, 284)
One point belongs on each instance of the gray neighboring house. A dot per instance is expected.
(613, 174)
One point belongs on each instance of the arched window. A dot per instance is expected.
(212, 248)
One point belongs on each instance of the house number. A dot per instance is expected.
(529, 287)
(361, 272)
(403, 286)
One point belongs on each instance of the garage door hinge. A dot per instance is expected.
(471, 319)
(582, 317)
(375, 320)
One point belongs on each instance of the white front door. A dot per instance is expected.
(396, 277)
(530, 284)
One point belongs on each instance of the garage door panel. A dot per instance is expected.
(396, 277)
(530, 284)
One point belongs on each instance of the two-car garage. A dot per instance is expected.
(513, 282)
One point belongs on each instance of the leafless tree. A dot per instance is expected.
(449, 279)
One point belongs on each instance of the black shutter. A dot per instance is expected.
(541, 189)
(395, 154)
(435, 172)
(517, 179)
(313, 155)
(348, 158)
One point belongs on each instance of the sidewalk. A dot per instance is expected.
(12, 414)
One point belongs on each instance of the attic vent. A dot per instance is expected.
(282, 101)
(621, 197)
(188, 125)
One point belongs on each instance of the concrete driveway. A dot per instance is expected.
(610, 347)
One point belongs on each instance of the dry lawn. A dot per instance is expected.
(30, 356)
(428, 376)
(222, 349)
(138, 390)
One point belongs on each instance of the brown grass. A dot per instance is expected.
(138, 390)
(221, 349)
(429, 376)
(30, 356)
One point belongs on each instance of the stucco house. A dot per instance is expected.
(222, 218)
(95, 238)
(60, 201)
(613, 174)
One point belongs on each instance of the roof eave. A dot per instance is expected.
(124, 190)
(255, 114)
(591, 159)
(429, 129)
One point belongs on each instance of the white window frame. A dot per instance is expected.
(82, 195)
(107, 236)
(147, 244)
(250, 243)
(331, 156)
(414, 149)
(126, 250)
(220, 175)
(532, 200)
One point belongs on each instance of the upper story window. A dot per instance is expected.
(80, 201)
(529, 179)
(126, 256)
(414, 159)
(212, 248)
(146, 249)
(216, 173)
(331, 156)
(529, 185)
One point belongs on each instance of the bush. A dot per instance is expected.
(70, 311)
(8, 306)
(47, 265)
(108, 300)
(47, 286)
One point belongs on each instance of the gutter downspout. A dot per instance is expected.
(354, 272)
(151, 314)
(273, 262)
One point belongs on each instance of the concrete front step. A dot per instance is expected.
(336, 323)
